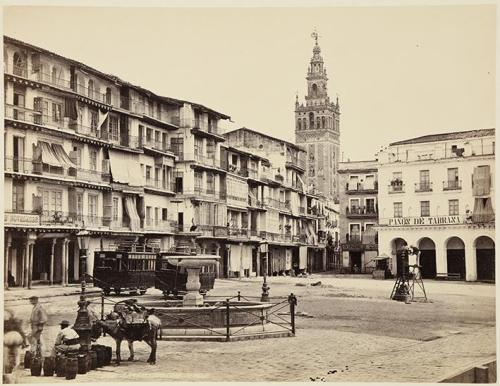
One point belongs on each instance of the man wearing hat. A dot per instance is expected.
(37, 320)
(67, 339)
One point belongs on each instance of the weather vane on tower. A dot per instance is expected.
(315, 35)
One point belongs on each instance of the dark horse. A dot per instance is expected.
(119, 330)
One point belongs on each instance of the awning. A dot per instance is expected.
(62, 156)
(235, 258)
(48, 155)
(302, 182)
(131, 210)
(246, 257)
(125, 168)
(102, 118)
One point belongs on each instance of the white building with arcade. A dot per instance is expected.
(436, 192)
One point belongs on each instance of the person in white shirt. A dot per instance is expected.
(67, 339)
(153, 320)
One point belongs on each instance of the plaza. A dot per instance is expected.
(350, 331)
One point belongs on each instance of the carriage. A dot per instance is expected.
(171, 279)
(124, 271)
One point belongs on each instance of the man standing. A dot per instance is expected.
(67, 339)
(37, 320)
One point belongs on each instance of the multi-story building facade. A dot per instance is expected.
(318, 129)
(287, 215)
(436, 192)
(87, 151)
(358, 215)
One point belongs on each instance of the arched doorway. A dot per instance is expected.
(427, 258)
(397, 246)
(485, 258)
(455, 256)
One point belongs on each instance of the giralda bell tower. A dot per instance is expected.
(317, 128)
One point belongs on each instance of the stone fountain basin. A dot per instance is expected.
(211, 315)
(195, 261)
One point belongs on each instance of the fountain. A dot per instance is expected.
(233, 318)
(193, 265)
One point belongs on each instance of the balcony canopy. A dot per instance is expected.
(125, 168)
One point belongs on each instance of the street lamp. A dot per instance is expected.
(83, 238)
(265, 288)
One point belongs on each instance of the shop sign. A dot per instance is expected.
(21, 219)
(416, 221)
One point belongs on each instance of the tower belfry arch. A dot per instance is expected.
(317, 127)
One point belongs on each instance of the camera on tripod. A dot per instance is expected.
(403, 266)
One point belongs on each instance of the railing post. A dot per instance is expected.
(228, 329)
(292, 300)
(239, 296)
(102, 306)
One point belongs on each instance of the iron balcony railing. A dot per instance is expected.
(24, 114)
(423, 186)
(144, 141)
(238, 200)
(30, 166)
(160, 225)
(206, 193)
(160, 184)
(360, 187)
(37, 75)
(452, 185)
(277, 204)
(296, 161)
(355, 211)
(60, 218)
(238, 232)
(210, 127)
(396, 187)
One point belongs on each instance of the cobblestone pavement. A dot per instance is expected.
(356, 334)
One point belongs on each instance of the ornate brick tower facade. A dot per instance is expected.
(317, 129)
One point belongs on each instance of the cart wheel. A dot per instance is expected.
(117, 291)
(142, 291)
(175, 292)
(106, 291)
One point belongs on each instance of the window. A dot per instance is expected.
(198, 147)
(56, 112)
(354, 204)
(92, 205)
(234, 159)
(453, 207)
(164, 214)
(108, 95)
(91, 89)
(353, 183)
(157, 137)
(370, 205)
(398, 209)
(424, 209)
(198, 178)
(148, 215)
(19, 96)
(94, 120)
(93, 159)
(424, 180)
(354, 232)
(148, 172)
(113, 127)
(79, 205)
(115, 208)
(78, 153)
(157, 211)
(397, 176)
(17, 196)
(210, 183)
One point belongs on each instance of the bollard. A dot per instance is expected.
(239, 296)
(49, 364)
(228, 329)
(292, 300)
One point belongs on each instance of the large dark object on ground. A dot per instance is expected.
(171, 279)
(121, 271)
(124, 271)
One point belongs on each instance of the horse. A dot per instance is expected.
(116, 326)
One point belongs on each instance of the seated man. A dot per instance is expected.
(67, 340)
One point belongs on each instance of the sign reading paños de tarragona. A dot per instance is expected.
(415, 221)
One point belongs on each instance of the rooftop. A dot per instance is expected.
(447, 136)
(358, 166)
(113, 78)
(292, 145)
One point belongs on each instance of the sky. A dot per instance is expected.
(399, 72)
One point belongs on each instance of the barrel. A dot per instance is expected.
(61, 365)
(93, 359)
(28, 356)
(99, 355)
(71, 367)
(109, 354)
(82, 363)
(49, 365)
(36, 366)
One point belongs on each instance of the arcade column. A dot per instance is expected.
(470, 264)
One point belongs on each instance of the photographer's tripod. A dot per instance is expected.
(404, 287)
